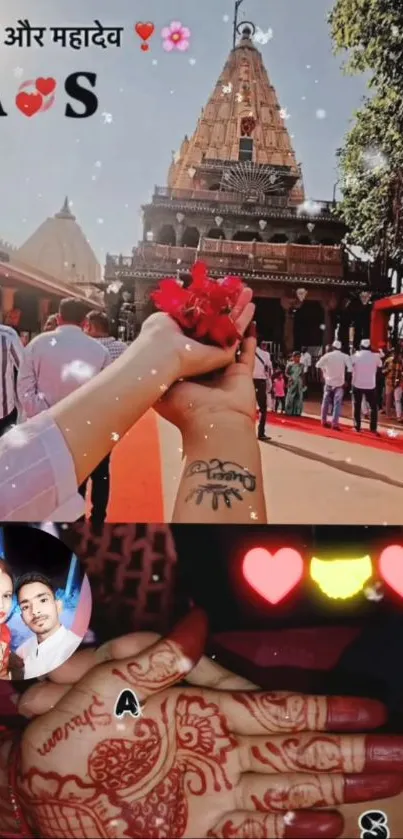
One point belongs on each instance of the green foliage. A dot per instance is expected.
(371, 161)
(372, 33)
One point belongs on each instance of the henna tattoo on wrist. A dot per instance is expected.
(220, 474)
(92, 717)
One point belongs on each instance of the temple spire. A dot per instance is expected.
(65, 211)
(242, 113)
(238, 3)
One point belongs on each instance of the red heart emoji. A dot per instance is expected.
(391, 567)
(29, 103)
(144, 30)
(273, 576)
(45, 86)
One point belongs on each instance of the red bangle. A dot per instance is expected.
(24, 831)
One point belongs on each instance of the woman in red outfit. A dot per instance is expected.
(6, 604)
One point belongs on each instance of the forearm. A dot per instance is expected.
(97, 415)
(222, 481)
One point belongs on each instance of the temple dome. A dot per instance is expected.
(59, 248)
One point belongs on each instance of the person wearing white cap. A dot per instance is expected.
(334, 365)
(365, 367)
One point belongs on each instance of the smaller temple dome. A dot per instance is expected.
(59, 248)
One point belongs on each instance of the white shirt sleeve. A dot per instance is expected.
(37, 473)
(349, 364)
(319, 364)
(32, 403)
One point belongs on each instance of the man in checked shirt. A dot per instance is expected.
(97, 326)
(11, 351)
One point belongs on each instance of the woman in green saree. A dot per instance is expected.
(295, 390)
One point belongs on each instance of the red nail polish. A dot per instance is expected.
(384, 753)
(350, 713)
(311, 825)
(191, 634)
(371, 787)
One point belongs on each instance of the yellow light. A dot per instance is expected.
(341, 578)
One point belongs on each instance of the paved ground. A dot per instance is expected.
(311, 479)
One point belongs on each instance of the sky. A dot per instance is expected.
(108, 164)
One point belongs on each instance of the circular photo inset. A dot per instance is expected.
(45, 602)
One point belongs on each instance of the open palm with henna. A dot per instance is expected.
(199, 762)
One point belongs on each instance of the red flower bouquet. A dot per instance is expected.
(203, 310)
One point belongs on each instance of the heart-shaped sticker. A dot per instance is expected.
(273, 576)
(391, 568)
(45, 86)
(144, 30)
(28, 103)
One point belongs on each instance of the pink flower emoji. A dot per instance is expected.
(175, 37)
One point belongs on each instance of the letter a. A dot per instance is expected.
(127, 703)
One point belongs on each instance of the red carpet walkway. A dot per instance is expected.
(386, 442)
(136, 475)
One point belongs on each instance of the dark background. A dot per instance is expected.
(28, 549)
(209, 572)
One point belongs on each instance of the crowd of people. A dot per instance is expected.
(374, 379)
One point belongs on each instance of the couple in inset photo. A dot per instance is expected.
(33, 639)
(45, 602)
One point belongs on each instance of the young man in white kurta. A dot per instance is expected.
(52, 644)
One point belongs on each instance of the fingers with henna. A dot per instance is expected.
(156, 668)
(42, 697)
(308, 825)
(258, 712)
(300, 791)
(319, 752)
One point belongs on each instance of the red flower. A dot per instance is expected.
(203, 310)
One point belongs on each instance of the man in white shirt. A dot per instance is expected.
(365, 367)
(11, 353)
(334, 366)
(52, 644)
(306, 360)
(57, 363)
(54, 365)
(263, 370)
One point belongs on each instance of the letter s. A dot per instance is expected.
(86, 97)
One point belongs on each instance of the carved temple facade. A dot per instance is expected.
(235, 199)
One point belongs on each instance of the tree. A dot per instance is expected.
(371, 161)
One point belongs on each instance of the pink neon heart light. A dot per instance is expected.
(391, 568)
(273, 576)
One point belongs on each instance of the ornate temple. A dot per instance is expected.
(56, 261)
(235, 199)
